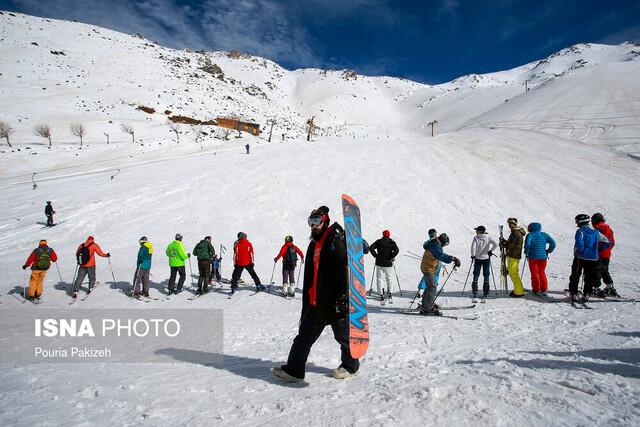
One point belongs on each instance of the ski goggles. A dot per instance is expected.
(315, 220)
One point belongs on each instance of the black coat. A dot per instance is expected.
(384, 250)
(332, 287)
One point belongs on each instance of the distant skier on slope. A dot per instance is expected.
(430, 268)
(602, 272)
(40, 260)
(513, 250)
(243, 259)
(537, 252)
(588, 242)
(48, 211)
(289, 253)
(324, 299)
(482, 248)
(384, 250)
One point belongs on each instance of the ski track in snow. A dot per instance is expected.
(523, 362)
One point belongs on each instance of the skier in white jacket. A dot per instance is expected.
(481, 251)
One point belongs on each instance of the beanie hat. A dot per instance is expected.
(432, 232)
(597, 218)
(386, 233)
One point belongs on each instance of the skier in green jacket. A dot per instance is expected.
(176, 253)
(204, 251)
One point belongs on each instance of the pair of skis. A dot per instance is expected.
(89, 292)
(416, 311)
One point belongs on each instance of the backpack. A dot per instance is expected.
(291, 257)
(84, 254)
(44, 260)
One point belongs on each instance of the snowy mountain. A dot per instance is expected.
(545, 155)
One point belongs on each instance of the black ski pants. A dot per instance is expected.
(586, 267)
(237, 272)
(204, 268)
(172, 278)
(602, 272)
(308, 334)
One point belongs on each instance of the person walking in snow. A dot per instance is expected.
(40, 260)
(176, 253)
(289, 253)
(482, 248)
(588, 242)
(513, 251)
(432, 260)
(48, 211)
(384, 250)
(243, 259)
(602, 271)
(86, 256)
(537, 247)
(204, 251)
(324, 299)
(144, 266)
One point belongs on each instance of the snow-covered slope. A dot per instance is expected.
(523, 362)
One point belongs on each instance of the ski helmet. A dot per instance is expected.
(512, 221)
(597, 218)
(322, 212)
(386, 233)
(43, 242)
(242, 235)
(288, 239)
(443, 239)
(178, 236)
(143, 239)
(582, 219)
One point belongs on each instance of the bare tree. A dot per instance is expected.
(128, 129)
(44, 131)
(198, 133)
(5, 131)
(79, 130)
(107, 135)
(175, 128)
(226, 132)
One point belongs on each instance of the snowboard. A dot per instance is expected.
(358, 322)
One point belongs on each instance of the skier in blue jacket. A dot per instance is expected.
(585, 256)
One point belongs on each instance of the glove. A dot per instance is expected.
(473, 257)
(456, 262)
(490, 254)
(24, 267)
(188, 255)
(275, 259)
(108, 255)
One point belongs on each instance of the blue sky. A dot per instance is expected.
(426, 41)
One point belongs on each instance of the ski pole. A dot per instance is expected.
(191, 272)
(299, 271)
(74, 278)
(272, 273)
(442, 288)
(417, 293)
(411, 256)
(493, 276)
(526, 260)
(61, 281)
(465, 280)
(396, 271)
(372, 274)
(112, 275)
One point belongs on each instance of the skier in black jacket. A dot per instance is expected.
(48, 211)
(324, 299)
(384, 250)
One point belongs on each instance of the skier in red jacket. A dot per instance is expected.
(243, 259)
(289, 262)
(602, 271)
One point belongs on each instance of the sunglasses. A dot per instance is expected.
(315, 220)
